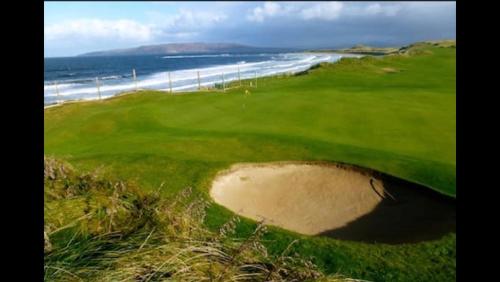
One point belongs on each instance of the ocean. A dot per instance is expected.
(75, 77)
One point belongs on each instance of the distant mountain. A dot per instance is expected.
(184, 48)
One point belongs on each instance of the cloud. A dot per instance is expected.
(273, 24)
(185, 24)
(97, 28)
(302, 11)
(376, 9)
(323, 11)
(188, 19)
(269, 9)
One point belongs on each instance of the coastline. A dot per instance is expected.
(183, 92)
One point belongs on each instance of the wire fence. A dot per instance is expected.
(215, 82)
(188, 81)
(216, 78)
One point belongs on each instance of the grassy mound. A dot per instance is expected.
(394, 114)
(378, 51)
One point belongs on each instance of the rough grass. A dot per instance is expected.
(102, 230)
(401, 123)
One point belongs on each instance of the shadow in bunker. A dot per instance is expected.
(408, 213)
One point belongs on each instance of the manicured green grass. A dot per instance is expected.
(395, 115)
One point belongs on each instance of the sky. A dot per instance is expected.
(72, 28)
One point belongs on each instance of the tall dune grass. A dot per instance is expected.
(102, 230)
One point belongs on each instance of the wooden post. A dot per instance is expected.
(169, 83)
(135, 79)
(199, 84)
(255, 79)
(239, 77)
(57, 92)
(223, 83)
(98, 88)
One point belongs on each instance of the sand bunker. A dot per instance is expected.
(335, 200)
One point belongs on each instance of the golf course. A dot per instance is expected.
(393, 115)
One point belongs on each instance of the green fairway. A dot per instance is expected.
(395, 114)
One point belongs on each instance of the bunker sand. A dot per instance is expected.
(335, 200)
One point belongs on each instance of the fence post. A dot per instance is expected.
(57, 92)
(255, 79)
(169, 83)
(135, 79)
(239, 77)
(199, 84)
(98, 89)
(223, 83)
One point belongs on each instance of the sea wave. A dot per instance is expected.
(195, 56)
(111, 77)
(214, 56)
(187, 79)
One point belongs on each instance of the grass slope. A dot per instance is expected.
(395, 114)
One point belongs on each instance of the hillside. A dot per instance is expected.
(370, 50)
(182, 48)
